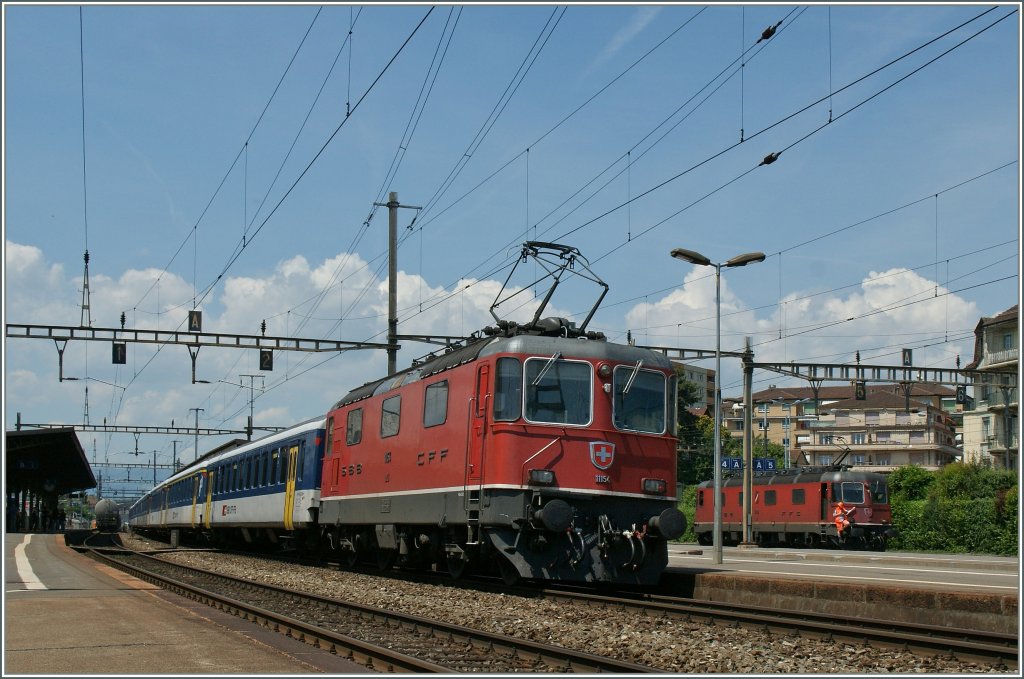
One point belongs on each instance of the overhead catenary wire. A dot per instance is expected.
(421, 236)
(308, 166)
(231, 168)
(234, 258)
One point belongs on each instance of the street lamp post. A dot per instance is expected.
(701, 260)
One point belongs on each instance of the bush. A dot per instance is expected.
(961, 508)
(688, 506)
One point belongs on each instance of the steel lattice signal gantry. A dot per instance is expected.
(193, 340)
(133, 429)
(820, 372)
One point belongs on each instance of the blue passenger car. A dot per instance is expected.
(264, 491)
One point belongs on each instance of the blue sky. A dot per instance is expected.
(625, 131)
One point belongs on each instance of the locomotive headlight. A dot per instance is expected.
(655, 486)
(604, 371)
(542, 477)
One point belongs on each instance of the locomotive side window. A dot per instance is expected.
(700, 498)
(273, 465)
(508, 390)
(558, 391)
(769, 497)
(879, 492)
(639, 401)
(797, 496)
(390, 416)
(354, 427)
(435, 404)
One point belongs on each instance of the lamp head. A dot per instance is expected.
(743, 260)
(692, 257)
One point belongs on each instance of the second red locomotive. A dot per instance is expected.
(798, 508)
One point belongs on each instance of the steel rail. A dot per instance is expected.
(960, 643)
(369, 655)
(567, 660)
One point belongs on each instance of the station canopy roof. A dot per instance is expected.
(46, 460)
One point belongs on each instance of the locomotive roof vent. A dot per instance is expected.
(552, 326)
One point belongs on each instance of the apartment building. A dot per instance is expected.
(991, 430)
(887, 429)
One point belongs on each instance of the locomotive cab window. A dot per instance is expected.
(639, 402)
(797, 496)
(558, 391)
(435, 404)
(508, 390)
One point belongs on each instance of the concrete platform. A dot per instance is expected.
(968, 610)
(66, 614)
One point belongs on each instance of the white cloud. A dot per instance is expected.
(637, 23)
(888, 311)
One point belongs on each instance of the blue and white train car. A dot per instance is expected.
(264, 491)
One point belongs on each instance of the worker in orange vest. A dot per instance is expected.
(839, 515)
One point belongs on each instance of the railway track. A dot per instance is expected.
(983, 650)
(381, 640)
(964, 644)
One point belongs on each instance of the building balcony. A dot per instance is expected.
(996, 359)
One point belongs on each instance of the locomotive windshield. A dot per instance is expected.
(558, 391)
(639, 403)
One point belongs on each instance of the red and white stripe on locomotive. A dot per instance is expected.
(546, 456)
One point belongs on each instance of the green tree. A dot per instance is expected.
(909, 483)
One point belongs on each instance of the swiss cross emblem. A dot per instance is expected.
(602, 454)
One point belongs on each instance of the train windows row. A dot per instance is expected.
(267, 467)
(557, 391)
(435, 412)
(797, 496)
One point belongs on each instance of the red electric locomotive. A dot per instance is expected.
(541, 451)
(796, 508)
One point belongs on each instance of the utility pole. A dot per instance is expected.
(748, 443)
(197, 430)
(392, 205)
(251, 398)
